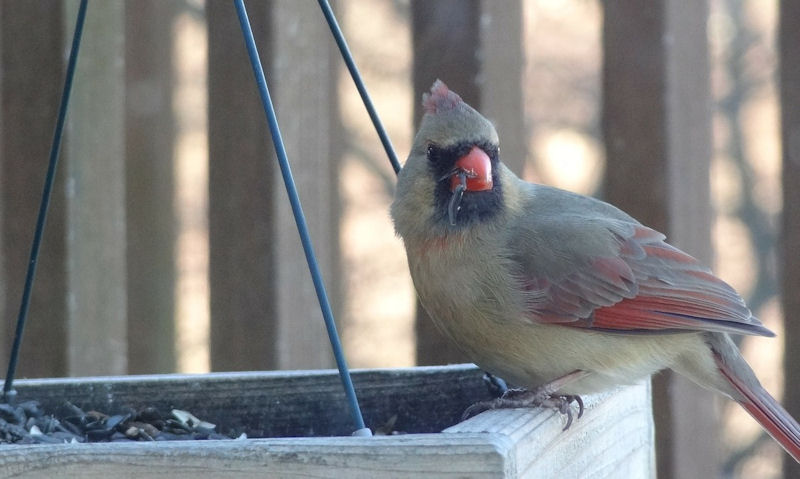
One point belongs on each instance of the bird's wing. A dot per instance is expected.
(624, 278)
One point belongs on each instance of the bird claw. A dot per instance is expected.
(523, 398)
(577, 399)
(563, 405)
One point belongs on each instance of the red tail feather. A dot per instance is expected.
(766, 410)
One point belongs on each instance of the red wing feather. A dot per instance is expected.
(649, 287)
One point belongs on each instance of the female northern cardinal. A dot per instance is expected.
(559, 292)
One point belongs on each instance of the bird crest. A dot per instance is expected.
(440, 99)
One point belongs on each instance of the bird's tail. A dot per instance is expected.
(764, 409)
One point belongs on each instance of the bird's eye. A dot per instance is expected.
(434, 152)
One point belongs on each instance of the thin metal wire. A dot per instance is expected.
(362, 90)
(8, 390)
(300, 220)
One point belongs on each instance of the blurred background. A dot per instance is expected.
(170, 245)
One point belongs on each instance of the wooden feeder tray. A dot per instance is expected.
(297, 425)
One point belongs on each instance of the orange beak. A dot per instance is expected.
(477, 167)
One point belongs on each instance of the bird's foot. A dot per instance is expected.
(543, 396)
(523, 398)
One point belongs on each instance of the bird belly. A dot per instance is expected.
(529, 355)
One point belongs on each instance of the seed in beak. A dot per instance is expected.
(458, 192)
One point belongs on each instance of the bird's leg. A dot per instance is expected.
(543, 396)
(496, 385)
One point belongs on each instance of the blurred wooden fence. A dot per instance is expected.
(104, 300)
(789, 53)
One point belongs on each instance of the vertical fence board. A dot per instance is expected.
(445, 38)
(445, 41)
(149, 187)
(302, 79)
(264, 310)
(634, 111)
(32, 35)
(476, 49)
(500, 80)
(95, 191)
(789, 51)
(241, 171)
(656, 117)
(689, 147)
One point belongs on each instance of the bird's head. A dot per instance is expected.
(452, 176)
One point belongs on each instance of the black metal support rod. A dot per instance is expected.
(299, 217)
(362, 89)
(55, 148)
